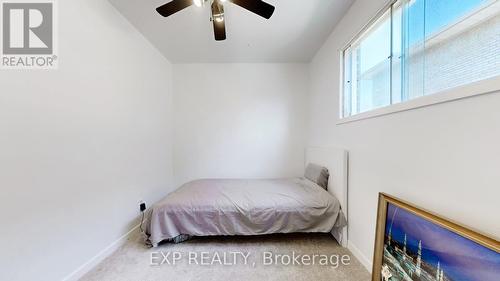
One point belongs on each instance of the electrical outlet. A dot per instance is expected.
(142, 206)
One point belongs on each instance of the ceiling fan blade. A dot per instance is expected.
(258, 7)
(173, 7)
(218, 21)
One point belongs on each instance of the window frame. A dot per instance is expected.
(481, 87)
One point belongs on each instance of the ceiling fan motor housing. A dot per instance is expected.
(217, 12)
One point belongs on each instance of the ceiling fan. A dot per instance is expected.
(258, 7)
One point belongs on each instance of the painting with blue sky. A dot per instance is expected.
(418, 249)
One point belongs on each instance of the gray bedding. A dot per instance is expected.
(244, 207)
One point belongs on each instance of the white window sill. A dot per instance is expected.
(473, 89)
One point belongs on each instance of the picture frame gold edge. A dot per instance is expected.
(379, 237)
(384, 199)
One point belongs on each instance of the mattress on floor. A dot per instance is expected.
(244, 207)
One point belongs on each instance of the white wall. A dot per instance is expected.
(80, 146)
(239, 120)
(444, 158)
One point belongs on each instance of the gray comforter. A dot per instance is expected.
(244, 207)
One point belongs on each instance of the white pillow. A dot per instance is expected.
(317, 174)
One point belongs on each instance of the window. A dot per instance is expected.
(416, 48)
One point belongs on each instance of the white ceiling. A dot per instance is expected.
(296, 31)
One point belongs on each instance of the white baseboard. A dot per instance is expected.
(106, 252)
(362, 258)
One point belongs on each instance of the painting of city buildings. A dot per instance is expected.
(417, 249)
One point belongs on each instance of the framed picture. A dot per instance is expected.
(413, 244)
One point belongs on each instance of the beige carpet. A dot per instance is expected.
(132, 262)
